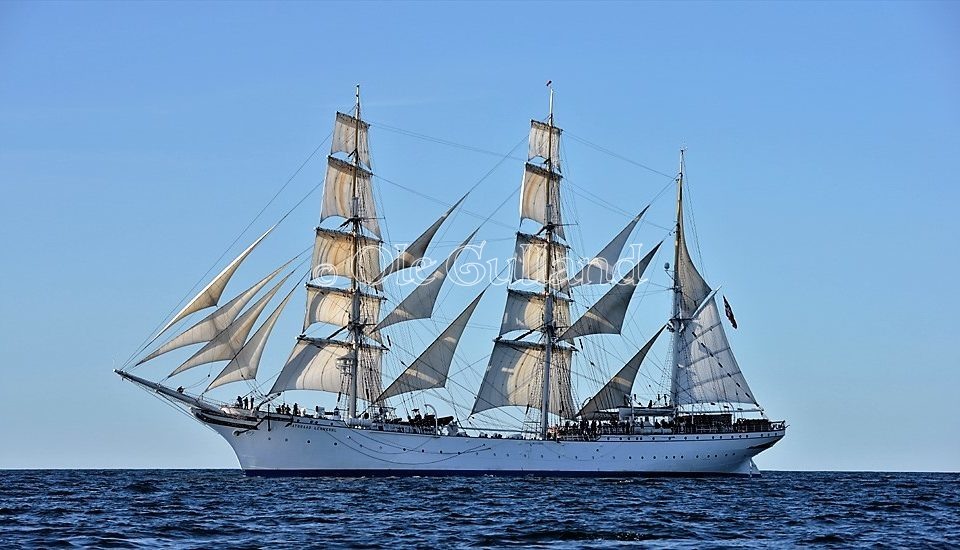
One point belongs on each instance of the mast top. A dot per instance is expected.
(550, 86)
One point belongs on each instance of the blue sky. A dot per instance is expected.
(137, 140)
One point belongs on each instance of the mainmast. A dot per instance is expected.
(675, 320)
(356, 326)
(548, 321)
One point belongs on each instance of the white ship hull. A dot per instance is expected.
(320, 447)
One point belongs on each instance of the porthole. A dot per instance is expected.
(308, 441)
(285, 439)
(334, 443)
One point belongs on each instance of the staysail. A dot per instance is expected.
(431, 368)
(211, 325)
(600, 269)
(616, 392)
(419, 303)
(226, 345)
(607, 315)
(418, 248)
(211, 293)
(244, 365)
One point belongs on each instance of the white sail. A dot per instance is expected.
(245, 364)
(431, 368)
(312, 365)
(544, 144)
(693, 288)
(226, 345)
(514, 374)
(345, 139)
(607, 315)
(600, 269)
(333, 255)
(211, 325)
(534, 202)
(211, 293)
(524, 311)
(418, 248)
(530, 261)
(333, 305)
(616, 393)
(707, 371)
(419, 303)
(338, 194)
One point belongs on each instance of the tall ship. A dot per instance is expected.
(523, 418)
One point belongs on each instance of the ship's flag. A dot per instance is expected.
(549, 82)
(729, 311)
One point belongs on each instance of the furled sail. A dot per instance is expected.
(211, 293)
(607, 315)
(418, 248)
(343, 179)
(544, 143)
(693, 288)
(211, 325)
(312, 365)
(707, 371)
(226, 345)
(333, 255)
(430, 369)
(600, 269)
(530, 261)
(534, 202)
(419, 303)
(524, 311)
(245, 364)
(346, 140)
(616, 393)
(514, 374)
(333, 305)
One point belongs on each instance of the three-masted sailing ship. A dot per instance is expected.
(707, 422)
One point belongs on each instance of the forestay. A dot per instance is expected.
(513, 377)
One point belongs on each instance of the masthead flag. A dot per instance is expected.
(729, 311)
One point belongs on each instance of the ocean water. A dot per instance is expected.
(223, 508)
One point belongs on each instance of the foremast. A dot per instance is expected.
(549, 325)
(356, 325)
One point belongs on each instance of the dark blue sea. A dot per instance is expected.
(222, 508)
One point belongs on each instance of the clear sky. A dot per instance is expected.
(137, 140)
